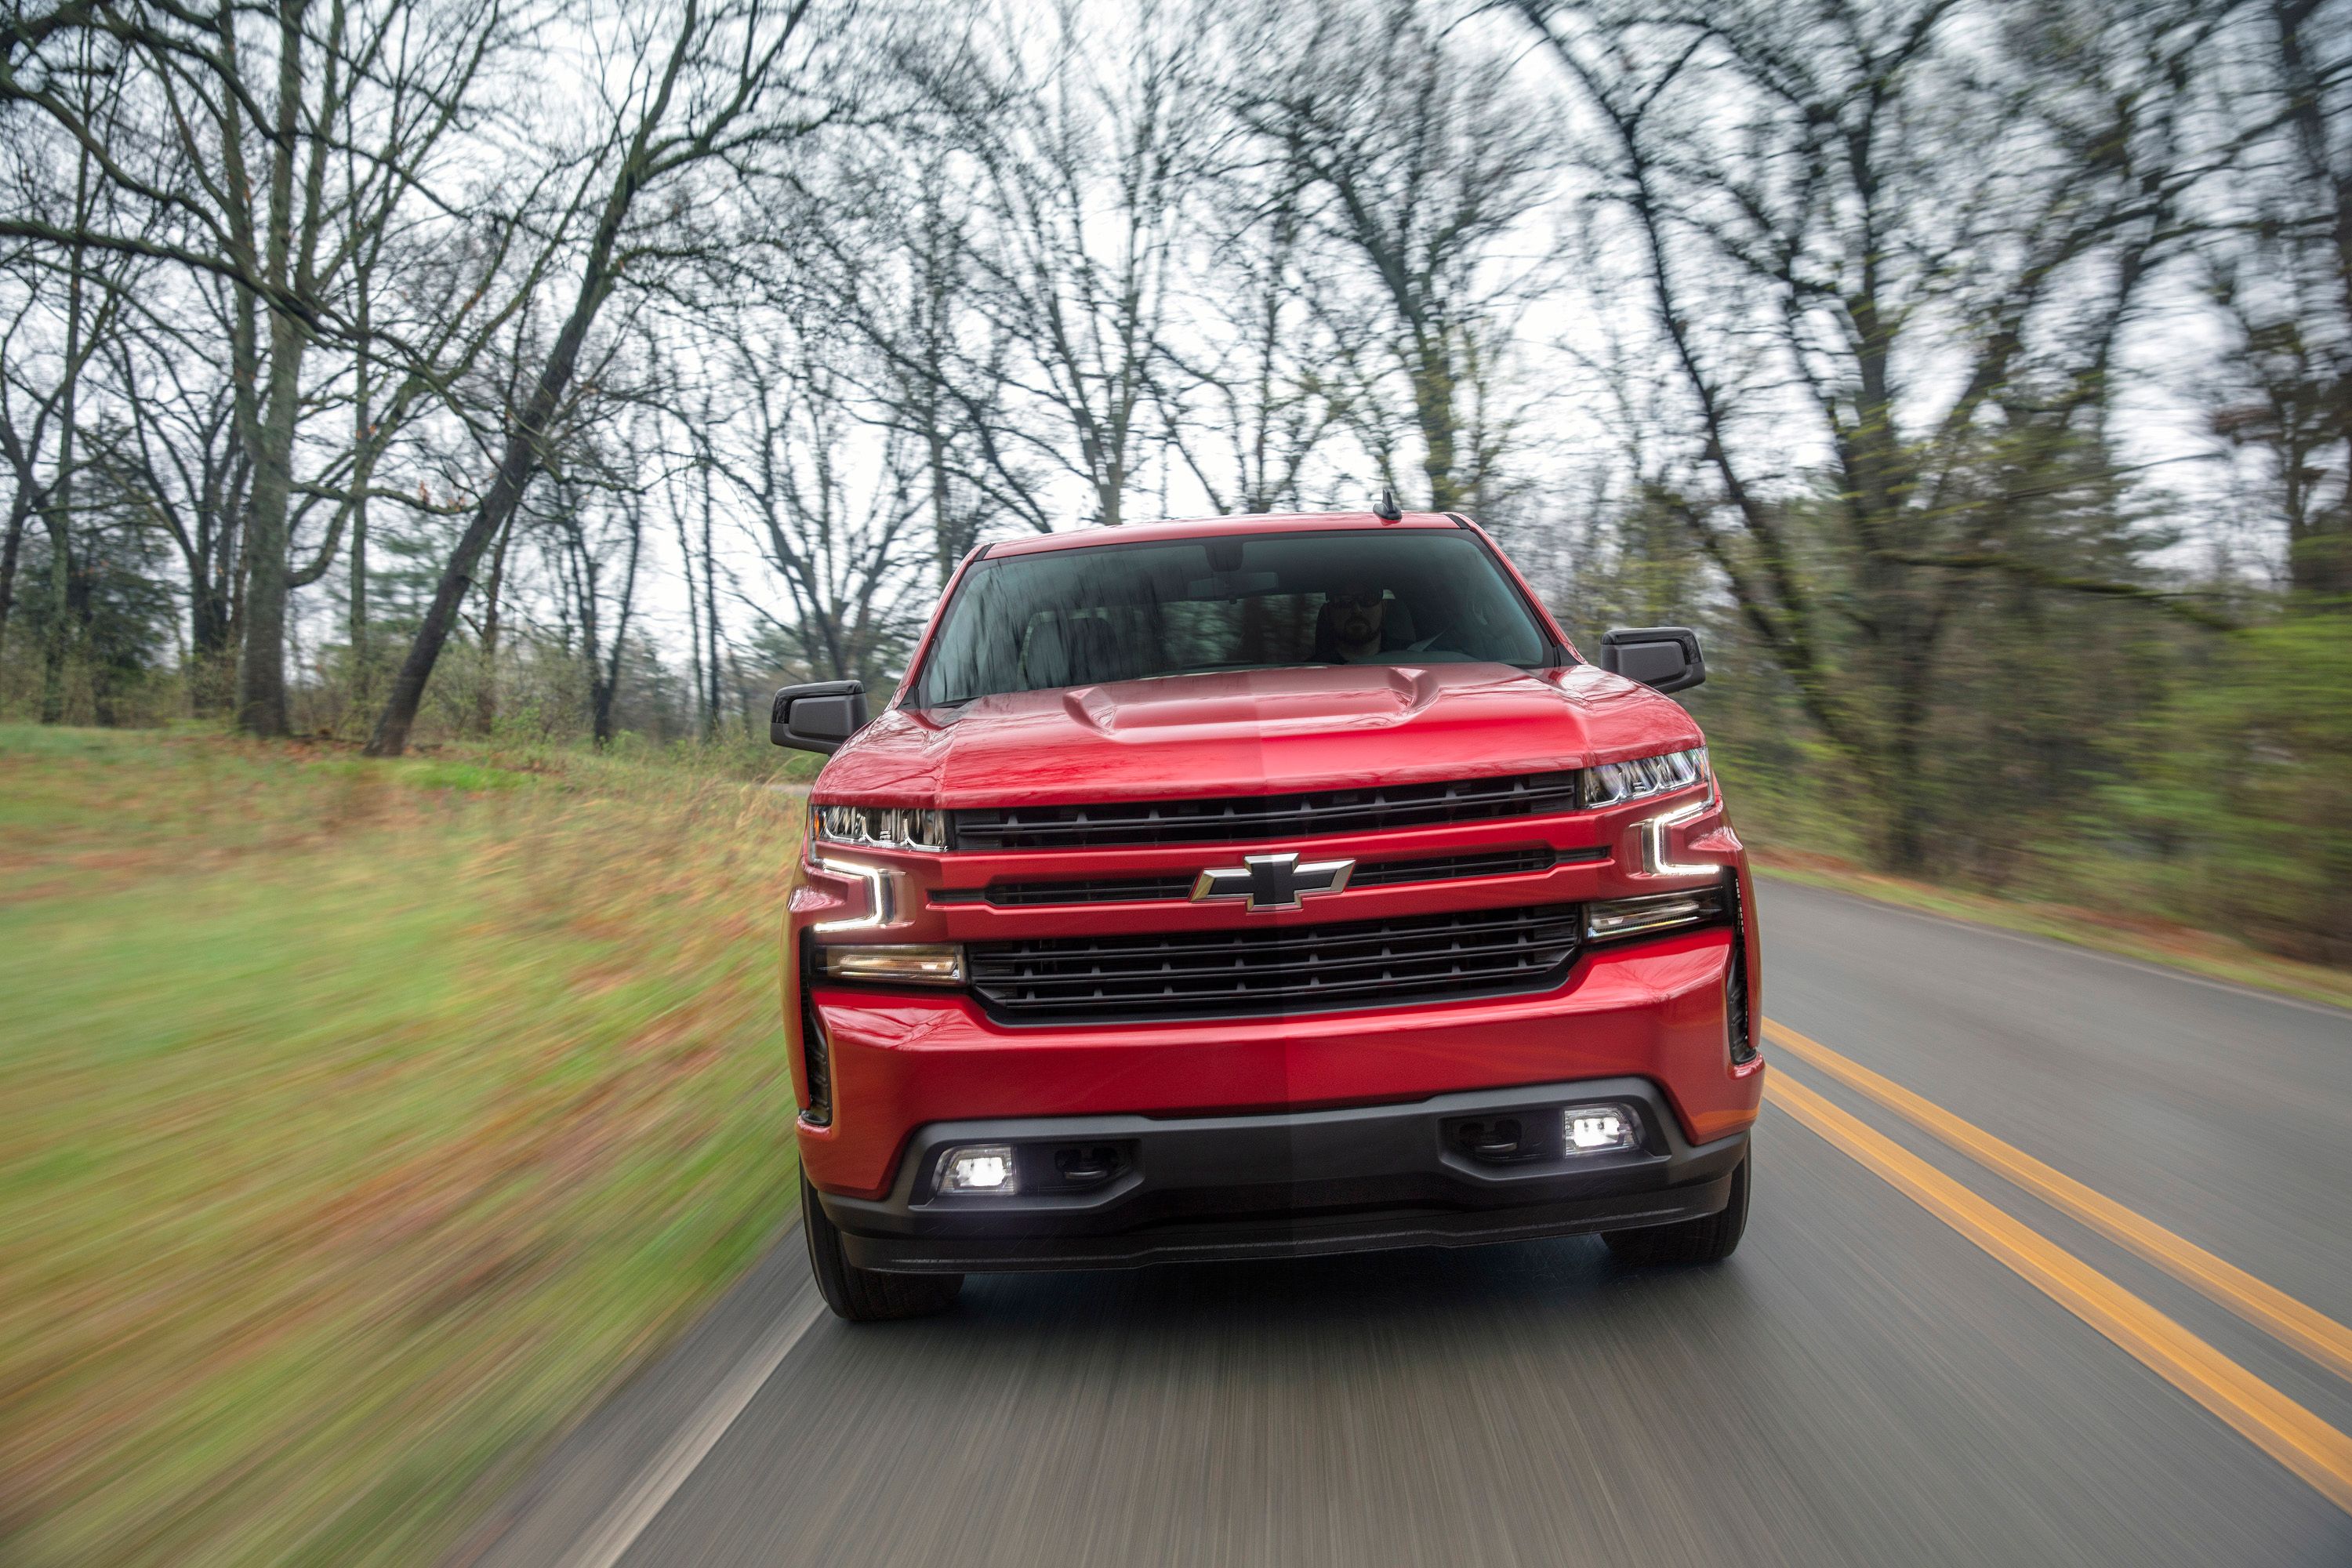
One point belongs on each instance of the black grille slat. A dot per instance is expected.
(1226, 821)
(1108, 891)
(1455, 867)
(1167, 889)
(1320, 967)
(1306, 943)
(1377, 974)
(1275, 941)
(1416, 958)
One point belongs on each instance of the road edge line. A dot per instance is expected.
(2266, 1306)
(2296, 1438)
(641, 1504)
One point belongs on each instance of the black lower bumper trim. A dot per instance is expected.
(1455, 1170)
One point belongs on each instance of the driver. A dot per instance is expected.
(1353, 616)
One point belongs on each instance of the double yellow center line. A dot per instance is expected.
(2278, 1426)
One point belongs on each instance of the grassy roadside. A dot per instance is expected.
(362, 1123)
(2207, 954)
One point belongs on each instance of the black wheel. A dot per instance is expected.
(1710, 1239)
(861, 1295)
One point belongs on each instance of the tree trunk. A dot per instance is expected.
(212, 610)
(485, 691)
(363, 435)
(516, 466)
(710, 611)
(60, 509)
(261, 673)
(1433, 403)
(211, 648)
(18, 511)
(693, 618)
(2319, 562)
(53, 651)
(619, 631)
(943, 545)
(600, 719)
(1902, 841)
(1902, 791)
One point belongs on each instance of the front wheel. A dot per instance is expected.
(1708, 1239)
(862, 1295)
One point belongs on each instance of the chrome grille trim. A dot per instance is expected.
(1248, 819)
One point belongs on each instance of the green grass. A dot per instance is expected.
(362, 1122)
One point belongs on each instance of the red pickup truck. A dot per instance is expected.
(1259, 887)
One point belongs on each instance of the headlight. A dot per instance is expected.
(882, 827)
(1611, 782)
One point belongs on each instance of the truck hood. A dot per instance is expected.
(1251, 732)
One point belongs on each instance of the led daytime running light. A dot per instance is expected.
(881, 905)
(1655, 851)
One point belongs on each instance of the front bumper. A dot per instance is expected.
(1295, 1184)
(1652, 1009)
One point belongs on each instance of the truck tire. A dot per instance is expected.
(1709, 1239)
(862, 1295)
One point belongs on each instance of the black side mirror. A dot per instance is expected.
(819, 716)
(1664, 657)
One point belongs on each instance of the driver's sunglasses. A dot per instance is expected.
(1361, 601)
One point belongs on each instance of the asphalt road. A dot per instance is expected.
(1863, 1383)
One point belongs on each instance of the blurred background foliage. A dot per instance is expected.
(1977, 373)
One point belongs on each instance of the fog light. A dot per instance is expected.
(1597, 1129)
(897, 964)
(979, 1168)
(1655, 911)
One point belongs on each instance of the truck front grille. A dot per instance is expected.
(1268, 969)
(1233, 821)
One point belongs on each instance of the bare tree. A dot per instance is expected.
(225, 166)
(1845, 226)
(64, 312)
(599, 536)
(1254, 393)
(178, 450)
(1427, 159)
(1088, 173)
(894, 254)
(727, 87)
(833, 521)
(2285, 286)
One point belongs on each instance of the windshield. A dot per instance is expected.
(1125, 612)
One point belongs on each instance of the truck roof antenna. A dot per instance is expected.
(1386, 507)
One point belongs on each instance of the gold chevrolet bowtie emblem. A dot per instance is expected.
(1272, 882)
